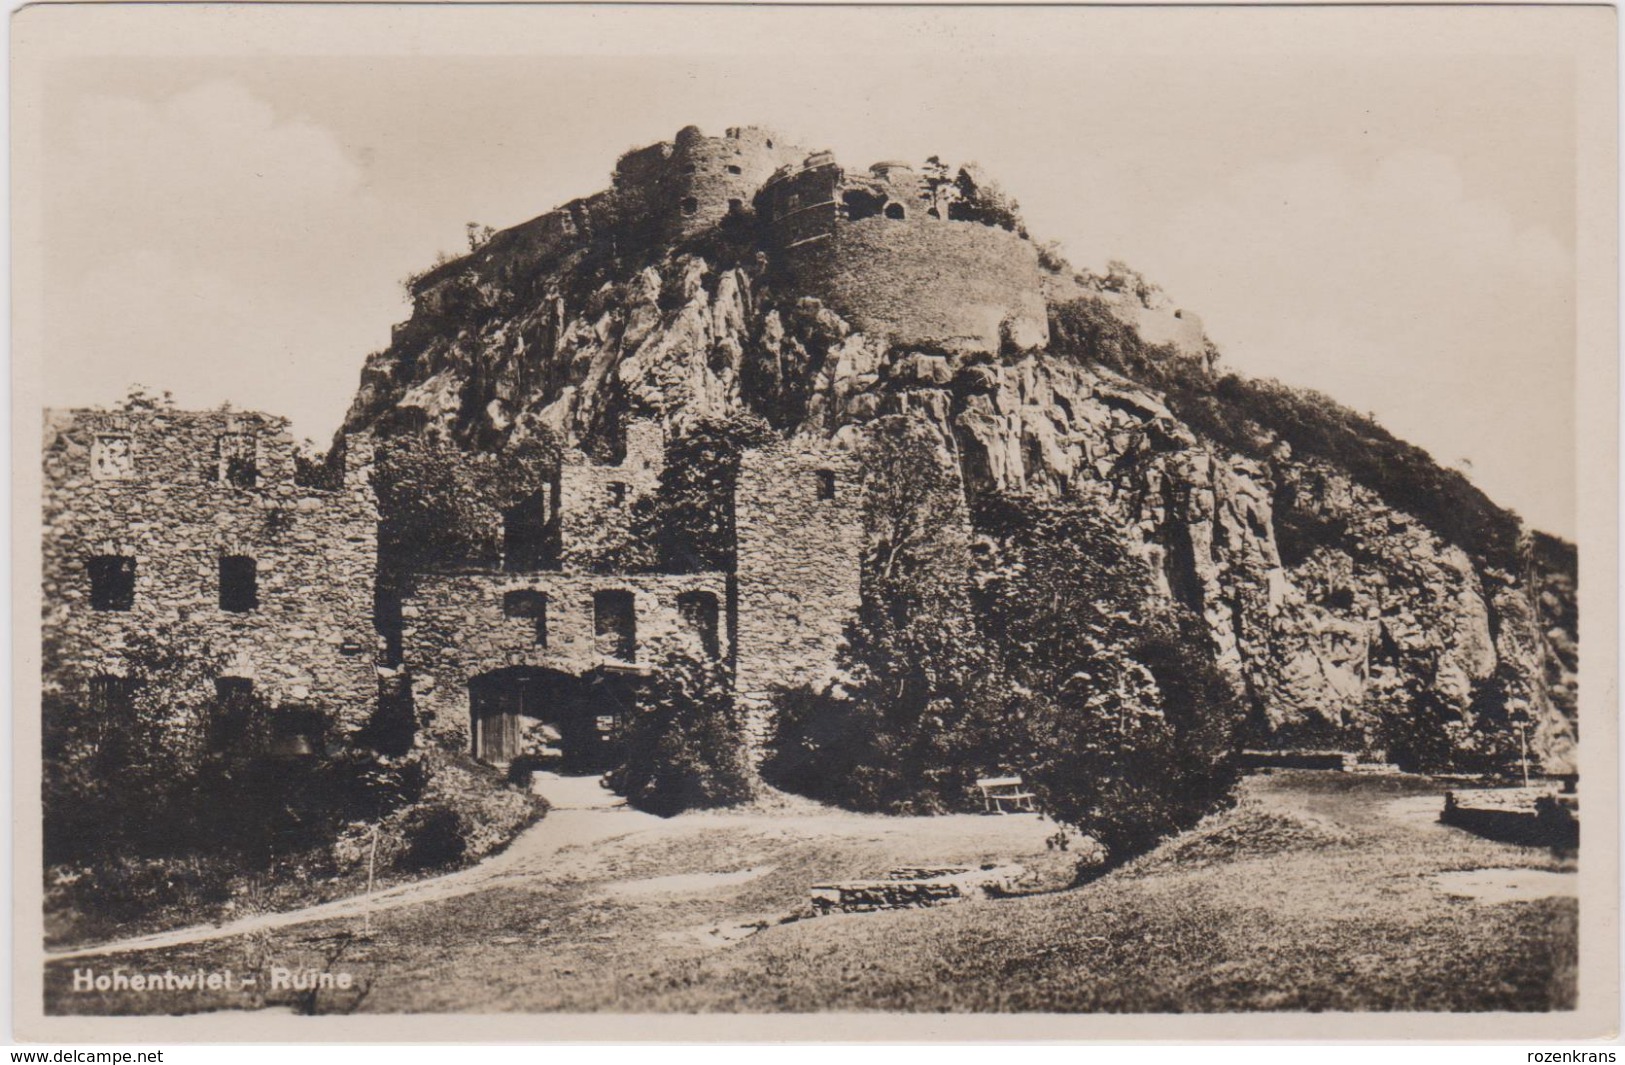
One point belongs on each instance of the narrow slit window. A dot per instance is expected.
(617, 493)
(112, 582)
(239, 584)
(826, 484)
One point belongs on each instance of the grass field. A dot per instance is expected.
(1315, 892)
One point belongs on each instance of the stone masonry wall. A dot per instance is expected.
(716, 175)
(148, 485)
(797, 576)
(595, 502)
(456, 628)
(957, 285)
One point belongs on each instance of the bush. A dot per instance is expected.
(1130, 729)
(433, 838)
(685, 743)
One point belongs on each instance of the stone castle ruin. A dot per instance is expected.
(896, 290)
(192, 526)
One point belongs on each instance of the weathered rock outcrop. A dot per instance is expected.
(1320, 597)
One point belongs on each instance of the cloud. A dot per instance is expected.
(1395, 289)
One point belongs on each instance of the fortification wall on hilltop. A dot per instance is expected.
(144, 511)
(800, 542)
(877, 249)
(713, 176)
(660, 193)
(920, 281)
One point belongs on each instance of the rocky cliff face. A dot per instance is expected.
(1320, 598)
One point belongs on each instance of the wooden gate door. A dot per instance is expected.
(498, 722)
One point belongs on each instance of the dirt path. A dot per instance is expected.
(582, 819)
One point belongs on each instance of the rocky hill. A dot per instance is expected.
(1337, 569)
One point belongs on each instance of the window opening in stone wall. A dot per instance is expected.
(895, 210)
(112, 582)
(826, 484)
(239, 584)
(237, 460)
(861, 204)
(231, 719)
(690, 205)
(615, 625)
(734, 169)
(529, 604)
(700, 616)
(617, 493)
(526, 543)
(735, 206)
(112, 457)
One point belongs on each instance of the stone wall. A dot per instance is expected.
(957, 285)
(594, 503)
(798, 566)
(458, 626)
(716, 175)
(155, 486)
(880, 250)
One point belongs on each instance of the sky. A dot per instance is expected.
(1393, 224)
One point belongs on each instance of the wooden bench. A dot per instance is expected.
(1003, 795)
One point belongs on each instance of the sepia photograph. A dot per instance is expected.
(1066, 521)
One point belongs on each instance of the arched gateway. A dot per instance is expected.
(586, 711)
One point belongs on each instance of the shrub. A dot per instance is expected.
(1130, 729)
(684, 747)
(433, 838)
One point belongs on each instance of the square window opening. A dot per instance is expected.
(237, 460)
(112, 457)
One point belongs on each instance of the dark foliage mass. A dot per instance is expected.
(1042, 652)
(1249, 417)
(684, 746)
(1130, 727)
